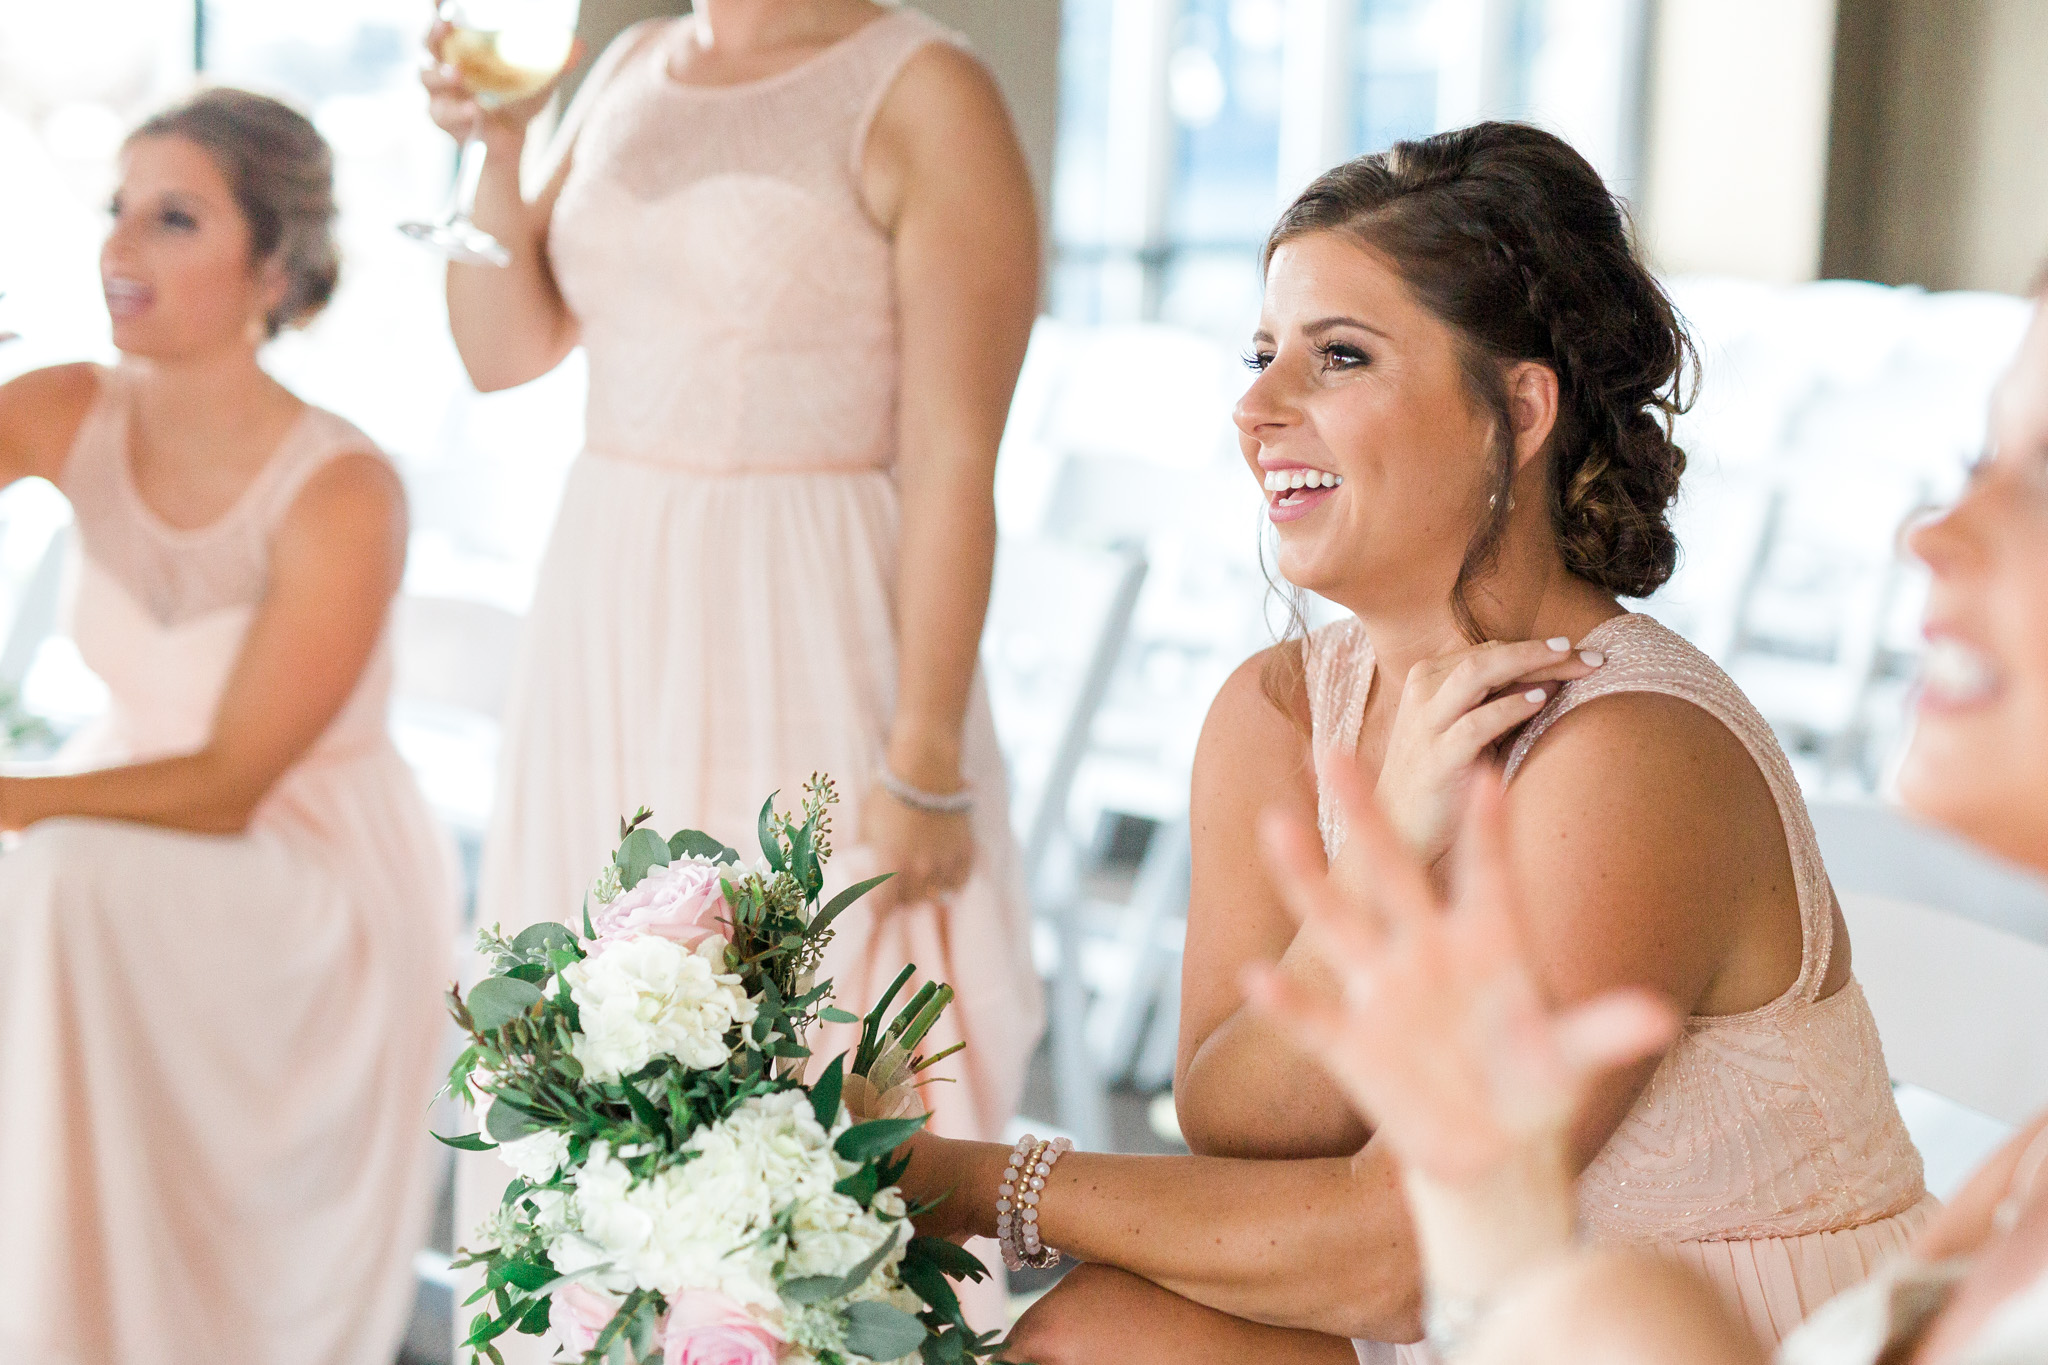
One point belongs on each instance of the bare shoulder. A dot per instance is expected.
(40, 414)
(1253, 749)
(351, 511)
(1650, 753)
(943, 136)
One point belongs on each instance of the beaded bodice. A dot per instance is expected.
(735, 297)
(1771, 1123)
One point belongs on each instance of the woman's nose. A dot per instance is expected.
(1264, 405)
(1942, 539)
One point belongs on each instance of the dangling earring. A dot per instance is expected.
(1493, 502)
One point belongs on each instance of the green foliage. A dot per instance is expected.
(522, 1023)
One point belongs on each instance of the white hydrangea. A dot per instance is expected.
(698, 1225)
(644, 997)
(536, 1157)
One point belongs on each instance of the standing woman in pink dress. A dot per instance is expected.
(798, 242)
(224, 927)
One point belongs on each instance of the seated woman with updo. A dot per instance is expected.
(224, 926)
(1461, 422)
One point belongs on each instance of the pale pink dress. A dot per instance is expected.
(216, 1052)
(716, 617)
(1766, 1152)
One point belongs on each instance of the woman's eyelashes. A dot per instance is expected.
(1330, 355)
(168, 216)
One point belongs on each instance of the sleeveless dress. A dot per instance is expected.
(715, 618)
(1765, 1152)
(216, 1052)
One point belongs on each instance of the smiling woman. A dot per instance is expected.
(1460, 349)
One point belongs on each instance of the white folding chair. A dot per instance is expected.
(453, 661)
(1058, 619)
(35, 613)
(1962, 1009)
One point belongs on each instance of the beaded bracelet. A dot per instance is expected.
(1031, 1161)
(932, 803)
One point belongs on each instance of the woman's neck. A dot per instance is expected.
(208, 403)
(741, 27)
(1528, 595)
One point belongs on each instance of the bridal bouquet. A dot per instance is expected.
(680, 1193)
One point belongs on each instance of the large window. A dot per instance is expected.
(1187, 124)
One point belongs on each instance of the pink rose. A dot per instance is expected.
(707, 1328)
(682, 902)
(579, 1314)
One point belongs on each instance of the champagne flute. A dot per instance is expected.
(503, 50)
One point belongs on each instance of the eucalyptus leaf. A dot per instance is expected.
(467, 1142)
(838, 903)
(526, 1274)
(866, 1141)
(496, 1001)
(880, 1331)
(538, 940)
(771, 847)
(819, 1288)
(642, 852)
(695, 843)
(508, 1122)
(832, 1014)
(825, 1094)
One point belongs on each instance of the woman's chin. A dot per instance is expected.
(1960, 775)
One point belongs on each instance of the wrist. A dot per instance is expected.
(926, 758)
(1477, 1235)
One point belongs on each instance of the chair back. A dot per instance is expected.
(1962, 1007)
(1058, 618)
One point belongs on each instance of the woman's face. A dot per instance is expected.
(1361, 392)
(176, 267)
(1978, 763)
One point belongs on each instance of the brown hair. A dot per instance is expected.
(282, 173)
(1508, 236)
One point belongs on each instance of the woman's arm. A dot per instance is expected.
(1619, 890)
(40, 413)
(944, 175)
(1240, 1086)
(334, 569)
(511, 324)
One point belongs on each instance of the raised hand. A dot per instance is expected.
(1454, 709)
(458, 112)
(1437, 1030)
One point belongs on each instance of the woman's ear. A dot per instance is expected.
(273, 284)
(1532, 408)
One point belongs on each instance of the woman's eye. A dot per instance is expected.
(1339, 356)
(1257, 360)
(178, 220)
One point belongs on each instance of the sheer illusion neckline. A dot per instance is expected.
(687, 26)
(252, 492)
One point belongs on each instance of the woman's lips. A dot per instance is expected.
(1295, 503)
(125, 297)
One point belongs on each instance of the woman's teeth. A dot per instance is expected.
(1955, 673)
(1285, 480)
(126, 297)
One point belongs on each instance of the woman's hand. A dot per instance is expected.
(930, 853)
(1454, 709)
(459, 114)
(961, 1177)
(1436, 1028)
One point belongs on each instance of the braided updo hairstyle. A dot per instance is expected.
(1508, 236)
(282, 174)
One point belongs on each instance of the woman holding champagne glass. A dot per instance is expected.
(798, 242)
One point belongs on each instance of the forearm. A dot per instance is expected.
(945, 558)
(197, 792)
(1322, 1245)
(510, 324)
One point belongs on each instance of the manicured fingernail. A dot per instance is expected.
(1533, 694)
(1593, 657)
(1560, 643)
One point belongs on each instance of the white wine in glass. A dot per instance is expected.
(503, 50)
